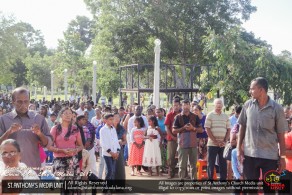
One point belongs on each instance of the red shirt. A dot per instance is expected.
(169, 122)
(288, 142)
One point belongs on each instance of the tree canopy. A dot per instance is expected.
(204, 32)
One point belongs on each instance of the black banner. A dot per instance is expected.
(142, 186)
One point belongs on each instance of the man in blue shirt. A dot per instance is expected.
(233, 118)
(90, 110)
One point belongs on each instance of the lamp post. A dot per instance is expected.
(35, 92)
(45, 92)
(66, 84)
(52, 85)
(156, 86)
(94, 82)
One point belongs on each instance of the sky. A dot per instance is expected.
(51, 17)
(271, 22)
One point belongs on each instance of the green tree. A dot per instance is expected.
(127, 29)
(11, 49)
(72, 50)
(32, 39)
(38, 70)
(239, 58)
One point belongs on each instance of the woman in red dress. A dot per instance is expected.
(137, 145)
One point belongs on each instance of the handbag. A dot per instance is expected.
(227, 151)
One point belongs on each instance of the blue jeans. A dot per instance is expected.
(211, 155)
(50, 156)
(126, 152)
(110, 168)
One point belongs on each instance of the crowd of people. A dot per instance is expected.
(73, 136)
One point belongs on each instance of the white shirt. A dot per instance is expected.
(109, 140)
(95, 121)
(26, 172)
(131, 123)
(72, 98)
(80, 111)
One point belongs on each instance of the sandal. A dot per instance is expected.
(139, 173)
(132, 173)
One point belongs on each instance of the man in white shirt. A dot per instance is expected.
(137, 113)
(81, 109)
(110, 145)
(72, 98)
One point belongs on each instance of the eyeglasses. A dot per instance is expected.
(7, 154)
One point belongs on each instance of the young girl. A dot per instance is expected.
(137, 145)
(152, 155)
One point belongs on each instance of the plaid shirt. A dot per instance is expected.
(89, 132)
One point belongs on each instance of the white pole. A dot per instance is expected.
(35, 92)
(45, 92)
(94, 82)
(156, 87)
(66, 84)
(52, 85)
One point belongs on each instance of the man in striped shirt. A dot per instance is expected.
(218, 129)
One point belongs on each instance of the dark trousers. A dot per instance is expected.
(252, 169)
(252, 166)
(211, 155)
(110, 168)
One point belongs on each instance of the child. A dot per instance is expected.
(110, 145)
(152, 155)
(137, 145)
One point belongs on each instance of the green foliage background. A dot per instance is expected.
(123, 32)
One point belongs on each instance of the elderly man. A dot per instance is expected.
(218, 129)
(262, 128)
(27, 127)
(186, 125)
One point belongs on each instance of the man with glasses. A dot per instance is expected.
(28, 128)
